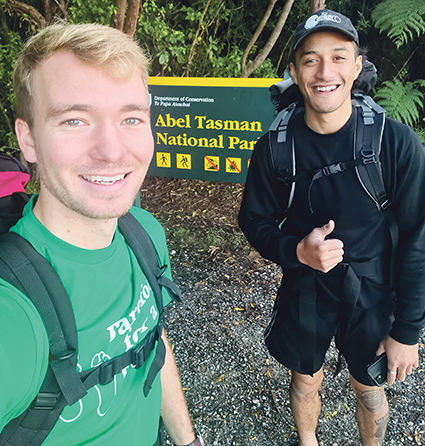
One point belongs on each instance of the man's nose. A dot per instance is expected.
(109, 143)
(325, 70)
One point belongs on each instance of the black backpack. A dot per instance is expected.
(22, 266)
(370, 121)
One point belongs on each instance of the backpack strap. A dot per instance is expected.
(282, 151)
(23, 267)
(367, 147)
(144, 250)
(142, 246)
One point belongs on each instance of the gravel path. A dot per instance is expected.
(236, 392)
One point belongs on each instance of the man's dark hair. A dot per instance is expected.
(367, 77)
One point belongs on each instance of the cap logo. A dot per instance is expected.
(314, 20)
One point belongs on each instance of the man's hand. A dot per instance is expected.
(402, 358)
(319, 253)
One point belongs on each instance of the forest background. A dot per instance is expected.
(236, 392)
(232, 38)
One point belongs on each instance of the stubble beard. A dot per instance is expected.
(79, 205)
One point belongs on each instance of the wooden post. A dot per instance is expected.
(119, 16)
(317, 5)
(132, 17)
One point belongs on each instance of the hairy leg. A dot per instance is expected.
(372, 413)
(306, 405)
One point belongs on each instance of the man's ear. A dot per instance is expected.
(293, 72)
(358, 66)
(26, 140)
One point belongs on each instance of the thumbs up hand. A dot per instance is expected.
(318, 252)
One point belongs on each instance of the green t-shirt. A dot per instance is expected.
(114, 309)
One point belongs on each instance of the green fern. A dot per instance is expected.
(421, 132)
(401, 19)
(402, 101)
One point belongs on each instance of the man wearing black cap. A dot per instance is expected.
(334, 244)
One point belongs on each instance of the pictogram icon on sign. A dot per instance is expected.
(212, 163)
(233, 165)
(184, 161)
(163, 159)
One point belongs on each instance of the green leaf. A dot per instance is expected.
(402, 101)
(402, 19)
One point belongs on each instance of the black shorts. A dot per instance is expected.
(371, 323)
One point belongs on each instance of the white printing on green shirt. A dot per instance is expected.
(115, 309)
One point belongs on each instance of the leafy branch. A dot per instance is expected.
(402, 101)
(401, 19)
(252, 65)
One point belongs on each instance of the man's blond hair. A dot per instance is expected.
(100, 45)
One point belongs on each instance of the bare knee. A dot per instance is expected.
(372, 399)
(304, 387)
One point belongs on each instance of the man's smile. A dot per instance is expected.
(101, 179)
(326, 88)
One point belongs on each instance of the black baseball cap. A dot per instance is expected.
(322, 20)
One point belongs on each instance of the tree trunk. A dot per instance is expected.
(22, 8)
(132, 17)
(4, 29)
(251, 66)
(119, 16)
(48, 11)
(257, 33)
(195, 40)
(63, 7)
(317, 5)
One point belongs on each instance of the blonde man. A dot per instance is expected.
(83, 119)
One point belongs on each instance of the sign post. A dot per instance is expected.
(206, 128)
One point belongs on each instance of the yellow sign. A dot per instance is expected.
(184, 161)
(233, 165)
(163, 159)
(212, 163)
(207, 128)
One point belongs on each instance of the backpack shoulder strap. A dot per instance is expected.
(280, 123)
(367, 146)
(145, 252)
(282, 151)
(22, 266)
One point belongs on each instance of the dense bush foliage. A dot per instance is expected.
(208, 38)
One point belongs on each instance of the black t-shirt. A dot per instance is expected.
(339, 197)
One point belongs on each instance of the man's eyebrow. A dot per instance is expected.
(335, 50)
(136, 107)
(60, 110)
(308, 53)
